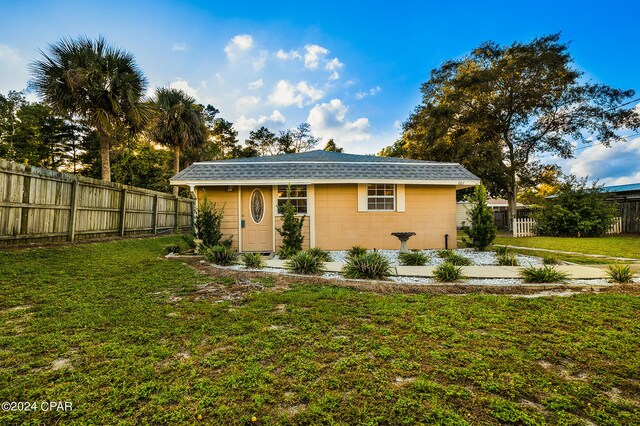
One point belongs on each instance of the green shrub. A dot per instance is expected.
(482, 227)
(356, 251)
(291, 230)
(253, 260)
(447, 272)
(220, 255)
(173, 248)
(413, 258)
(455, 258)
(444, 254)
(370, 265)
(507, 259)
(551, 259)
(286, 253)
(208, 223)
(545, 274)
(305, 263)
(620, 273)
(502, 250)
(320, 254)
(576, 211)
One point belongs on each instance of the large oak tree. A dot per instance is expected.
(497, 108)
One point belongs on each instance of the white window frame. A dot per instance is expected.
(382, 197)
(278, 198)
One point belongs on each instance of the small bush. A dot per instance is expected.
(482, 229)
(552, 259)
(444, 254)
(356, 251)
(287, 252)
(413, 258)
(370, 265)
(305, 263)
(221, 255)
(545, 274)
(173, 248)
(458, 259)
(507, 259)
(502, 250)
(291, 230)
(320, 254)
(208, 223)
(253, 260)
(447, 272)
(620, 273)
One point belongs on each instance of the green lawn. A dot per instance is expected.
(615, 245)
(129, 337)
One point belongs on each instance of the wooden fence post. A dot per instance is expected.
(154, 217)
(24, 210)
(73, 208)
(123, 211)
(177, 213)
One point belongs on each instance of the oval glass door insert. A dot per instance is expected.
(257, 206)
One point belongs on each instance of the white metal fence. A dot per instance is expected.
(526, 227)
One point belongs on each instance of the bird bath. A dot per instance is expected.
(403, 237)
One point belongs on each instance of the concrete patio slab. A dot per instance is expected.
(415, 271)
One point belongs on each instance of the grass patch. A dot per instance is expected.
(615, 245)
(130, 337)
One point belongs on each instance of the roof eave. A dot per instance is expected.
(458, 183)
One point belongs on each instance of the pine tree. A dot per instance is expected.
(482, 231)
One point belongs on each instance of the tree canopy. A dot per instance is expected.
(95, 81)
(498, 108)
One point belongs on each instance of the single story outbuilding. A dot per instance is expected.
(347, 199)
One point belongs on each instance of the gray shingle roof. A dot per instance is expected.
(324, 166)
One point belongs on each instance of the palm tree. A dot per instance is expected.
(179, 123)
(96, 82)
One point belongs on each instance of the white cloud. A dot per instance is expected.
(244, 124)
(238, 44)
(286, 94)
(246, 102)
(259, 62)
(371, 92)
(183, 85)
(328, 120)
(255, 85)
(292, 54)
(615, 165)
(333, 65)
(179, 47)
(313, 55)
(13, 70)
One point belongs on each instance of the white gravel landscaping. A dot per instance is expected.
(480, 258)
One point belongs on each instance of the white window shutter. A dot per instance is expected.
(400, 198)
(362, 197)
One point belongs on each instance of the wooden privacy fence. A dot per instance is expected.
(630, 213)
(39, 205)
(525, 227)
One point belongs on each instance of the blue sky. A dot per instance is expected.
(351, 69)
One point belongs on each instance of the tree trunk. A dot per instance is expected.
(104, 158)
(176, 166)
(512, 200)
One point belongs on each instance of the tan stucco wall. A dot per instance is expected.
(229, 199)
(305, 232)
(430, 213)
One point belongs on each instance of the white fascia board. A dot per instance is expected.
(459, 184)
